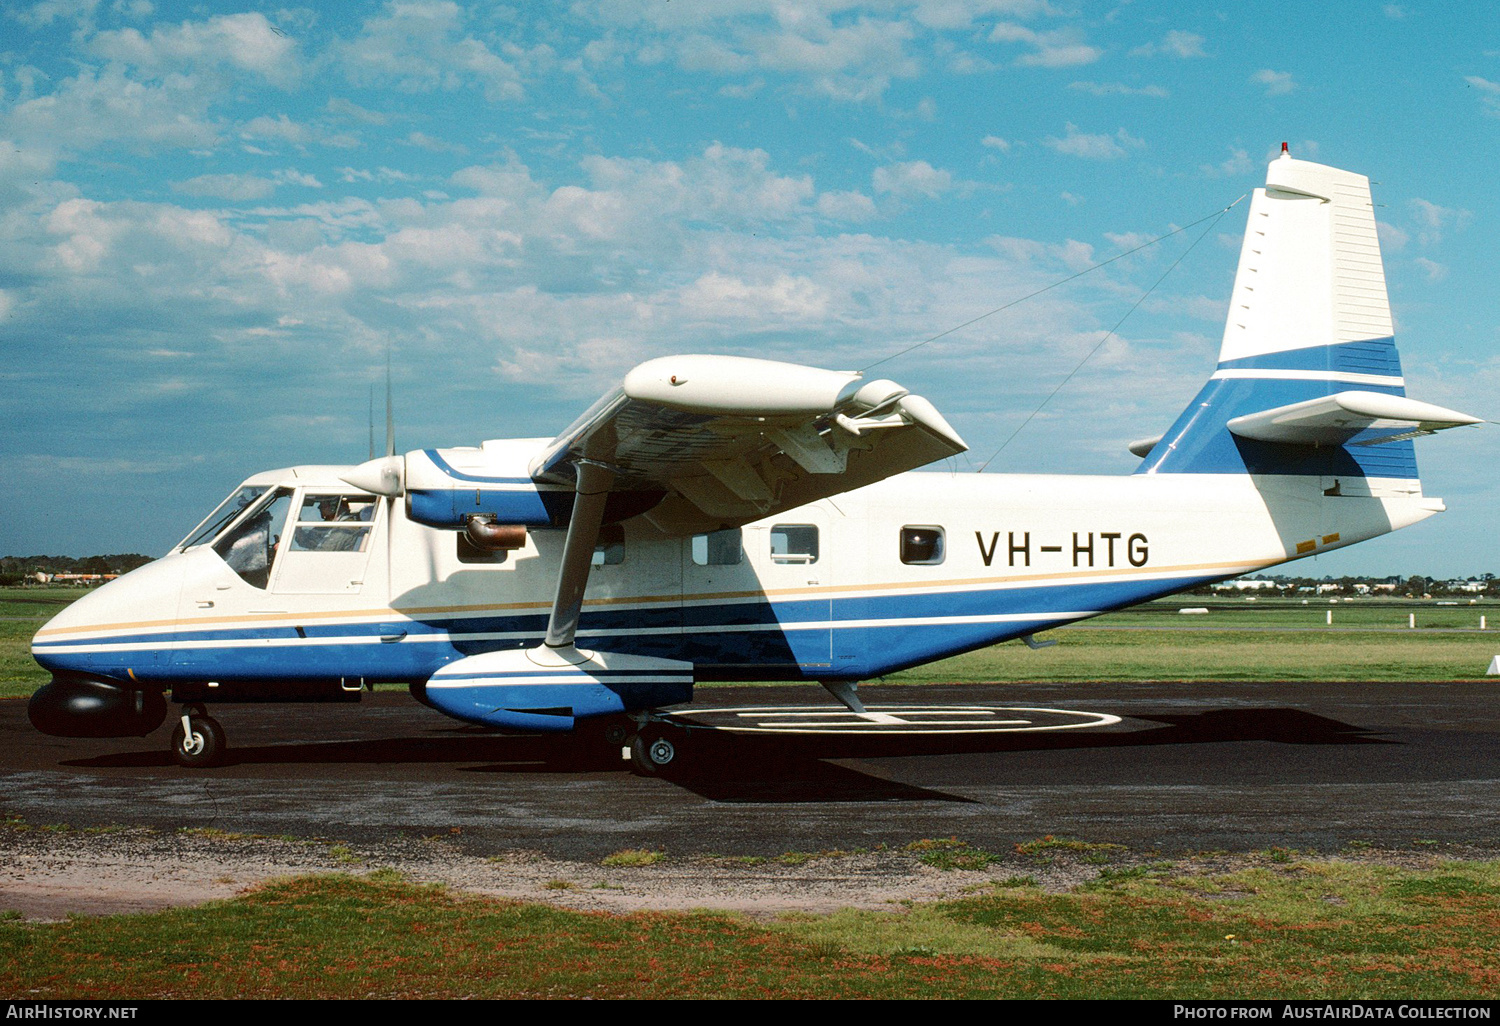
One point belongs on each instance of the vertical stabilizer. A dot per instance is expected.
(1310, 271)
(1308, 318)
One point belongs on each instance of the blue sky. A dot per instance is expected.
(215, 219)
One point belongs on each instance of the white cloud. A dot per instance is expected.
(855, 61)
(97, 108)
(383, 174)
(1238, 163)
(243, 42)
(1433, 220)
(743, 91)
(994, 142)
(1119, 89)
(341, 107)
(39, 15)
(280, 128)
(1059, 48)
(846, 206)
(1175, 43)
(1392, 239)
(912, 178)
(420, 46)
(422, 140)
(725, 183)
(291, 176)
(237, 188)
(1094, 147)
(1435, 271)
(1277, 83)
(1489, 93)
(724, 297)
(962, 14)
(853, 58)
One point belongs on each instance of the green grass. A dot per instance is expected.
(633, 857)
(1244, 641)
(19, 674)
(1303, 929)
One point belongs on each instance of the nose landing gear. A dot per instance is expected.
(198, 740)
(652, 756)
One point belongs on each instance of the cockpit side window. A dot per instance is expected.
(250, 546)
(226, 511)
(330, 522)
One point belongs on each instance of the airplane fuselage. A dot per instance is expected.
(895, 574)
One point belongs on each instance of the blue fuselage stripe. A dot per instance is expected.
(780, 640)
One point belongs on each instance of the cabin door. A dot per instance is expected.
(326, 547)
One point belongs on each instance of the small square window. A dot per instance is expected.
(721, 548)
(468, 552)
(922, 546)
(611, 548)
(794, 543)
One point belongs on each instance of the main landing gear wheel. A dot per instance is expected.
(202, 744)
(652, 756)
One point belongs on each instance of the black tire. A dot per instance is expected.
(652, 756)
(207, 746)
(617, 733)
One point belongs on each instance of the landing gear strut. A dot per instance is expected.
(198, 740)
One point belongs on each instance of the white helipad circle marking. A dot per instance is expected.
(892, 719)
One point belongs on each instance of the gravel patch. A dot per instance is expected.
(49, 874)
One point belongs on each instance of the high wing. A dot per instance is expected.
(694, 443)
(731, 439)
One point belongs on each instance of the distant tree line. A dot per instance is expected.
(18, 569)
(1350, 586)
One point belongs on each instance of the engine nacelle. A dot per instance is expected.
(78, 707)
(546, 689)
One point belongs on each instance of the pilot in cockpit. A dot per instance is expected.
(335, 509)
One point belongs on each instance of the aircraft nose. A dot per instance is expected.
(115, 631)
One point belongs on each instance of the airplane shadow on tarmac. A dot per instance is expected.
(727, 767)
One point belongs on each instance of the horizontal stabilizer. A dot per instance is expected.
(1339, 418)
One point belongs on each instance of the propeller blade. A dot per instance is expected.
(390, 417)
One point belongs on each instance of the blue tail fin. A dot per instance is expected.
(1309, 319)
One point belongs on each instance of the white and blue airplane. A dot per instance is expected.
(723, 518)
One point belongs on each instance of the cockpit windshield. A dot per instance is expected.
(226, 511)
(249, 546)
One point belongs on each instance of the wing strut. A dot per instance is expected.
(594, 480)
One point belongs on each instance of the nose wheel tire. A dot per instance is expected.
(201, 746)
(651, 756)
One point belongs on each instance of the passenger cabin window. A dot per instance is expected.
(611, 548)
(922, 546)
(721, 548)
(794, 543)
(329, 522)
(249, 546)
